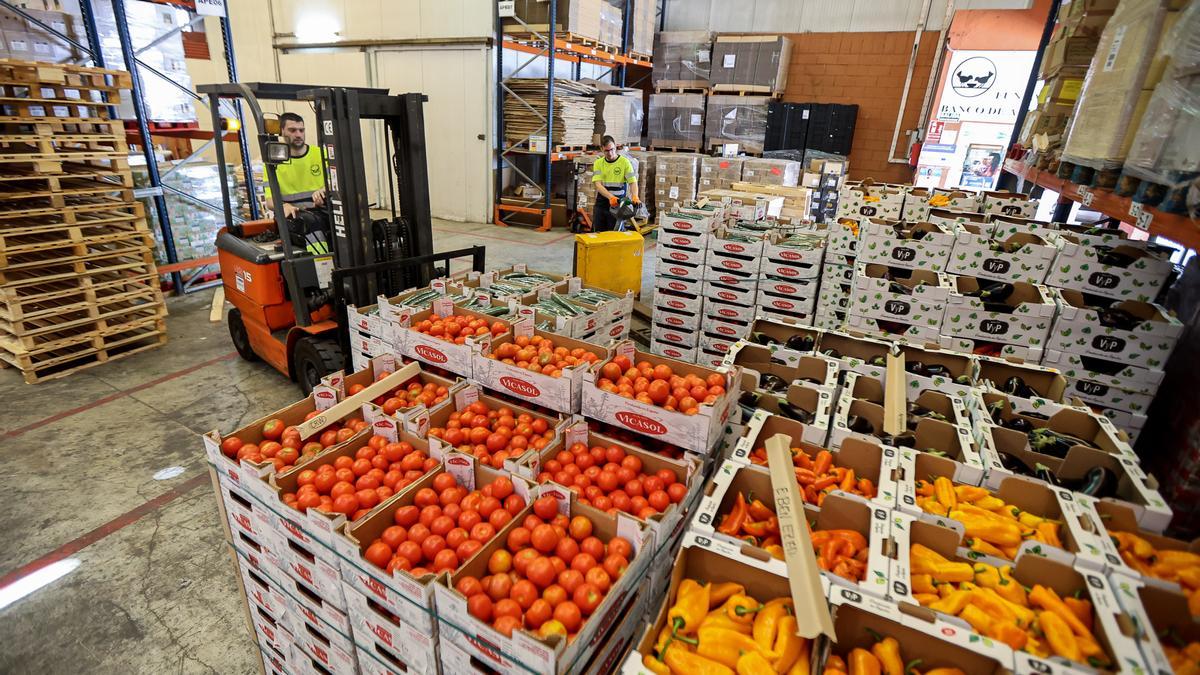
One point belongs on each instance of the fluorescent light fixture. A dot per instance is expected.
(316, 27)
(34, 581)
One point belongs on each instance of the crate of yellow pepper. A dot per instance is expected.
(1168, 633)
(1058, 617)
(1023, 515)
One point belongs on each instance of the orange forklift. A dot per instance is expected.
(289, 298)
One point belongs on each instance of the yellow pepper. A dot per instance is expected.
(835, 664)
(1048, 600)
(722, 592)
(683, 662)
(863, 662)
(924, 488)
(945, 671)
(724, 645)
(775, 550)
(1025, 616)
(742, 608)
(1082, 609)
(720, 619)
(943, 490)
(766, 623)
(1049, 534)
(982, 546)
(922, 583)
(753, 663)
(1010, 589)
(978, 618)
(1178, 559)
(887, 651)
(664, 638)
(691, 606)
(1008, 633)
(936, 508)
(993, 504)
(928, 598)
(953, 603)
(969, 493)
(1189, 577)
(1011, 552)
(990, 528)
(1031, 520)
(924, 560)
(986, 575)
(788, 645)
(655, 666)
(801, 665)
(989, 602)
(1128, 541)
(1034, 646)
(1058, 635)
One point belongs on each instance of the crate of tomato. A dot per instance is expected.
(859, 468)
(548, 588)
(444, 335)
(538, 367)
(1061, 618)
(850, 537)
(393, 558)
(491, 429)
(681, 403)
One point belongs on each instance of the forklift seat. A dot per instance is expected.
(250, 251)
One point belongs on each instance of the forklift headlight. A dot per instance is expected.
(277, 152)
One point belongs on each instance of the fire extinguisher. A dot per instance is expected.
(914, 154)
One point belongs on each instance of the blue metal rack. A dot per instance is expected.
(136, 67)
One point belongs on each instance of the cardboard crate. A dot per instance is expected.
(666, 252)
(673, 351)
(1016, 257)
(1026, 324)
(717, 346)
(252, 524)
(916, 204)
(816, 402)
(950, 218)
(1135, 488)
(682, 270)
(845, 235)
(734, 290)
(728, 311)
(757, 360)
(870, 201)
(269, 632)
(726, 329)
(917, 299)
(868, 459)
(1120, 518)
(697, 433)
(829, 319)
(1111, 374)
(956, 199)
(923, 635)
(890, 329)
(688, 470)
(1066, 580)
(1078, 267)
(556, 393)
(685, 337)
(408, 597)
(796, 289)
(472, 393)
(387, 641)
(1148, 344)
(1156, 611)
(262, 590)
(836, 512)
(677, 320)
(787, 340)
(702, 557)
(437, 352)
(1007, 203)
(900, 246)
(524, 651)
(1006, 226)
(1083, 543)
(791, 261)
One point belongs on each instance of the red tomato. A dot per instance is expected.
(620, 546)
(480, 607)
(555, 595)
(442, 525)
(522, 558)
(525, 593)
(676, 491)
(500, 587)
(467, 549)
(544, 538)
(541, 571)
(433, 545)
(469, 519)
(499, 518)
(482, 532)
(456, 536)
(591, 546)
(418, 533)
(570, 579)
(580, 528)
(425, 497)
(567, 548)
(518, 538)
(615, 565)
(378, 554)
(513, 504)
(410, 550)
(445, 560)
(569, 615)
(588, 598)
(545, 507)
(659, 500)
(538, 613)
(505, 625)
(469, 586)
(500, 561)
(599, 578)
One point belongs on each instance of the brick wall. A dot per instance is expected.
(866, 69)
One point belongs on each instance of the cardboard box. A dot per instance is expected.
(814, 402)
(1030, 569)
(845, 235)
(683, 59)
(868, 459)
(1156, 611)
(1148, 344)
(955, 199)
(1018, 257)
(730, 312)
(1111, 374)
(922, 635)
(1083, 542)
(673, 350)
(1006, 226)
(792, 258)
(881, 294)
(457, 358)
(683, 336)
(697, 433)
(731, 288)
(1007, 203)
(910, 246)
(778, 172)
(556, 393)
(1124, 407)
(676, 120)
(836, 512)
(750, 63)
(1026, 322)
(891, 329)
(916, 204)
(757, 360)
(1078, 267)
(870, 201)
(524, 651)
(860, 354)
(738, 120)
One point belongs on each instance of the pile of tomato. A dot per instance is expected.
(455, 328)
(353, 487)
(406, 395)
(539, 355)
(549, 577)
(636, 440)
(444, 526)
(282, 446)
(611, 480)
(493, 435)
(659, 385)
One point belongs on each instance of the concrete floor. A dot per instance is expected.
(155, 590)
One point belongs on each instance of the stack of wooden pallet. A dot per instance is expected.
(78, 283)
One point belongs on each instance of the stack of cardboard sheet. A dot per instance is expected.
(574, 111)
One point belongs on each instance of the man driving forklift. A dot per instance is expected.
(301, 184)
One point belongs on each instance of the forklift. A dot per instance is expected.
(289, 300)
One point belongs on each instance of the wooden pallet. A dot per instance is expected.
(674, 147)
(56, 252)
(1083, 174)
(134, 259)
(745, 90)
(70, 326)
(642, 59)
(37, 72)
(73, 241)
(69, 210)
(12, 124)
(40, 297)
(715, 149)
(63, 360)
(681, 90)
(56, 190)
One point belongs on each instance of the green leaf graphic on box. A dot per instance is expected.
(1085, 266)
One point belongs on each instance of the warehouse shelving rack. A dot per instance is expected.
(553, 47)
(136, 67)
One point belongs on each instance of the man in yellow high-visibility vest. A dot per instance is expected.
(302, 177)
(614, 177)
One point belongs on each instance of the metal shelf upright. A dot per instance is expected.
(554, 49)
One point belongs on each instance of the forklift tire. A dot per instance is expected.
(237, 333)
(313, 359)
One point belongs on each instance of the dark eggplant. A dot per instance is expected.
(996, 411)
(772, 383)
(918, 235)
(831, 353)
(748, 402)
(860, 425)
(1018, 424)
(906, 439)
(762, 339)
(813, 380)
(1054, 443)
(1093, 301)
(1014, 464)
(892, 327)
(801, 343)
(1117, 318)
(899, 288)
(916, 368)
(1105, 255)
(993, 291)
(1036, 415)
(1015, 386)
(1098, 482)
(997, 308)
(799, 414)
(1043, 472)
(963, 379)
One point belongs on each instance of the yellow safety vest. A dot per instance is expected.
(300, 175)
(614, 175)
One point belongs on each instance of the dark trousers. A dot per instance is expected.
(602, 217)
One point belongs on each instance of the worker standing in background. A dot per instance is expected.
(614, 178)
(302, 178)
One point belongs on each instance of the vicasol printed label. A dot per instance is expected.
(672, 350)
(742, 294)
(678, 269)
(692, 287)
(784, 304)
(686, 337)
(696, 432)
(557, 393)
(798, 289)
(680, 254)
(728, 312)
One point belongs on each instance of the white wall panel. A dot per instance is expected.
(330, 20)
(818, 16)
